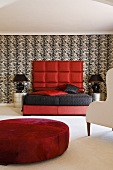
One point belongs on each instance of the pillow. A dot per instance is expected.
(50, 92)
(71, 88)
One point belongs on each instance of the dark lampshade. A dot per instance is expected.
(95, 78)
(20, 78)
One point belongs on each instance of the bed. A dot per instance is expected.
(51, 84)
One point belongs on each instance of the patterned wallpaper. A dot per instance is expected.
(17, 53)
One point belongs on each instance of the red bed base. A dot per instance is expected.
(54, 110)
(52, 75)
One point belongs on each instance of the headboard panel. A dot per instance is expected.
(54, 74)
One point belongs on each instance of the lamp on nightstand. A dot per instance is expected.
(96, 79)
(20, 78)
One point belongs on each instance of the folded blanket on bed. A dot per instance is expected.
(50, 92)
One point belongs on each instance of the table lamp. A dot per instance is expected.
(96, 79)
(20, 78)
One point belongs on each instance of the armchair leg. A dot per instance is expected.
(88, 128)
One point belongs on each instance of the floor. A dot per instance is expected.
(90, 153)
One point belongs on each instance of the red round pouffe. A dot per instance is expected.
(32, 140)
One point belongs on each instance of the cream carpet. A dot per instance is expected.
(89, 153)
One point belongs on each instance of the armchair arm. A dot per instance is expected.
(100, 113)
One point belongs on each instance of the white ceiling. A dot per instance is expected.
(52, 17)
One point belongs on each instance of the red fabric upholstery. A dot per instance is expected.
(54, 110)
(32, 140)
(50, 92)
(52, 74)
(40, 110)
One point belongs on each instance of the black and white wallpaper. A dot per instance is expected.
(17, 53)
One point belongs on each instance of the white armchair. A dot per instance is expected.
(101, 112)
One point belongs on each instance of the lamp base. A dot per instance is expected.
(19, 87)
(96, 88)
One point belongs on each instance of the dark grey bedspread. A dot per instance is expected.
(80, 99)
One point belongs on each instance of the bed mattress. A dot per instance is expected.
(79, 99)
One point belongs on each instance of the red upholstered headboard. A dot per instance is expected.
(54, 74)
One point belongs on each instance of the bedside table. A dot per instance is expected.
(97, 96)
(18, 99)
